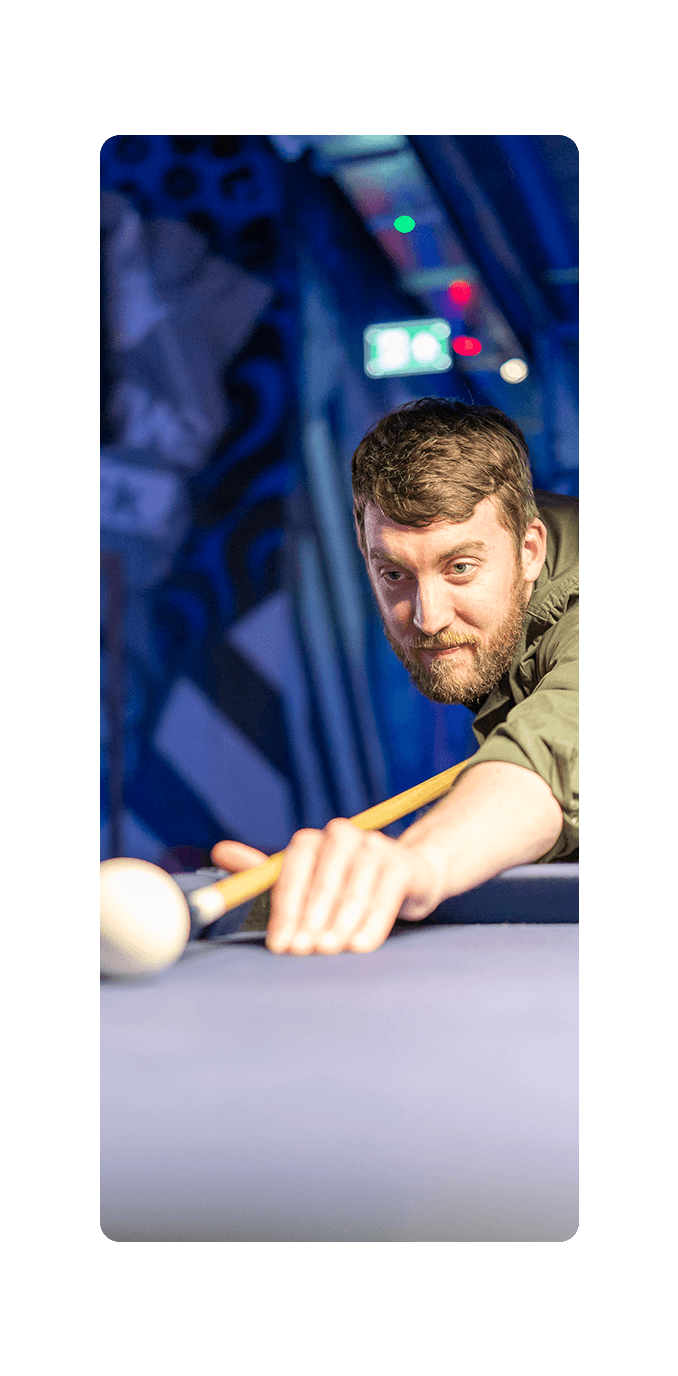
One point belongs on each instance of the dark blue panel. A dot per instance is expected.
(529, 893)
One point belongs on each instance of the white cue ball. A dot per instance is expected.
(145, 919)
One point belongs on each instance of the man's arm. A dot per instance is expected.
(497, 815)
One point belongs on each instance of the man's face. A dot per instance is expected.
(452, 597)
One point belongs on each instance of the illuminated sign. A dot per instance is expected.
(403, 347)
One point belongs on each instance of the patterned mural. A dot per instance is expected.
(246, 686)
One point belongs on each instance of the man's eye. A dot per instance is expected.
(461, 567)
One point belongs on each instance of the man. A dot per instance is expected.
(477, 588)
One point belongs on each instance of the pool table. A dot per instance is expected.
(424, 1092)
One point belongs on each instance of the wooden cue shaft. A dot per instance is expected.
(238, 888)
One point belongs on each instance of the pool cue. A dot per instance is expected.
(214, 900)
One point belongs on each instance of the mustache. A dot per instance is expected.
(446, 640)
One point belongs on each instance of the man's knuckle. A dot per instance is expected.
(304, 837)
(338, 828)
(337, 824)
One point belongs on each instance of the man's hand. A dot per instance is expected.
(340, 889)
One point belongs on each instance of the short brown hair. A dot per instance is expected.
(435, 460)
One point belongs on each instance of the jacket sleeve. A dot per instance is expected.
(542, 732)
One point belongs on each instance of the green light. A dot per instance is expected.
(403, 347)
(404, 224)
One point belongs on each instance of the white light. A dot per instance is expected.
(514, 370)
(424, 347)
(394, 349)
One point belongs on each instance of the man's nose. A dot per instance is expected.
(432, 611)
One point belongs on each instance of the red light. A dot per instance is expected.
(466, 344)
(460, 292)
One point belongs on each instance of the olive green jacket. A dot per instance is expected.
(531, 718)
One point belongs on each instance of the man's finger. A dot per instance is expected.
(288, 899)
(233, 855)
(376, 926)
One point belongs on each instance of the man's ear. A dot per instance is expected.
(534, 550)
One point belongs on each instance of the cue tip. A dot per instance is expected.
(206, 905)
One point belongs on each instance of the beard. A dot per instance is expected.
(446, 680)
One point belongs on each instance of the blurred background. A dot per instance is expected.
(264, 301)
